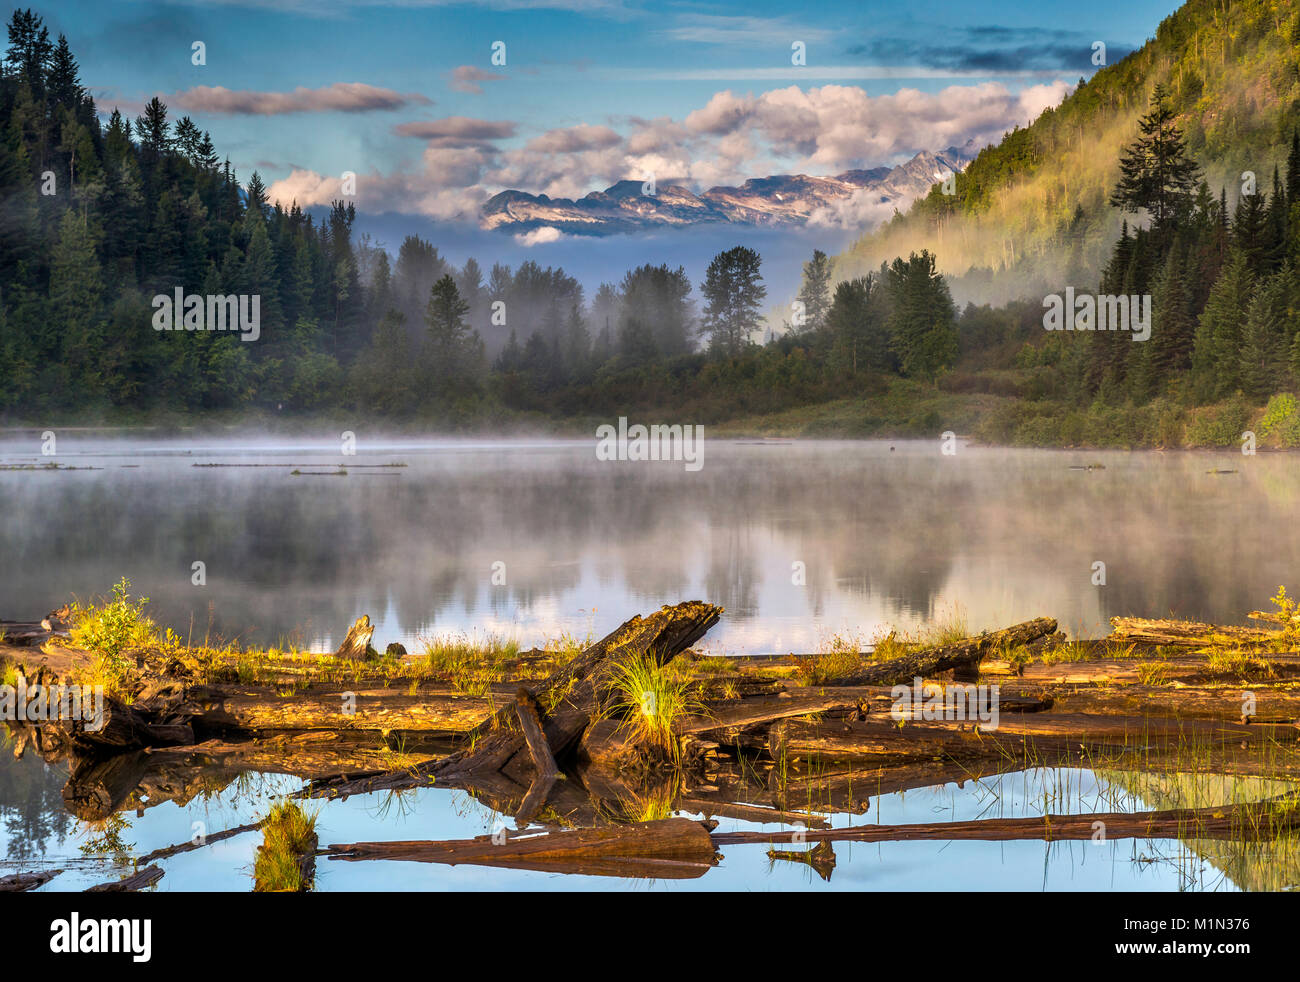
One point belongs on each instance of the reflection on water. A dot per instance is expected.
(886, 534)
(38, 834)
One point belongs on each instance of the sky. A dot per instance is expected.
(406, 94)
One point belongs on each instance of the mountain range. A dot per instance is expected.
(845, 199)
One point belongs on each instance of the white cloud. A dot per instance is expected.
(539, 236)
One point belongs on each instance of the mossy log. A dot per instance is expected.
(929, 662)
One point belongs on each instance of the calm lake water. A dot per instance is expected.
(799, 541)
(887, 535)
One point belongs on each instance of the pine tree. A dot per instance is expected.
(1156, 174)
(733, 293)
(1216, 357)
(1264, 336)
(923, 320)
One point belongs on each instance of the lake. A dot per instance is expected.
(533, 538)
(800, 541)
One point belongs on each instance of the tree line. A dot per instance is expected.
(97, 218)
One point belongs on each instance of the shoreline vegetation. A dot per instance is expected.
(905, 411)
(600, 748)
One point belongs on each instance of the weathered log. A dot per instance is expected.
(356, 646)
(262, 710)
(1255, 821)
(572, 695)
(1187, 634)
(138, 880)
(928, 662)
(743, 713)
(122, 728)
(1226, 703)
(671, 848)
(529, 713)
(750, 813)
(1019, 736)
(22, 882)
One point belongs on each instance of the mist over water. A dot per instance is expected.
(888, 537)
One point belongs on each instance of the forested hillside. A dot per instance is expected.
(1030, 214)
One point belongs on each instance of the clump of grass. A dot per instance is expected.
(840, 660)
(470, 665)
(1071, 651)
(288, 838)
(1017, 656)
(1152, 672)
(885, 647)
(714, 665)
(652, 699)
(1235, 662)
(949, 627)
(109, 631)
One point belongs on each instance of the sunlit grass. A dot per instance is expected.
(471, 666)
(652, 699)
(840, 659)
(288, 834)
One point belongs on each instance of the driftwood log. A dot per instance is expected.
(671, 848)
(1187, 634)
(573, 695)
(929, 662)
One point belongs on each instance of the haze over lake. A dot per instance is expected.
(889, 534)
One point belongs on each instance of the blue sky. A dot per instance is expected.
(404, 92)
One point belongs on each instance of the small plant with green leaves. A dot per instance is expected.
(888, 646)
(115, 627)
(1152, 672)
(1287, 616)
(714, 665)
(109, 631)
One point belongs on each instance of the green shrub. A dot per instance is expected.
(1281, 420)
